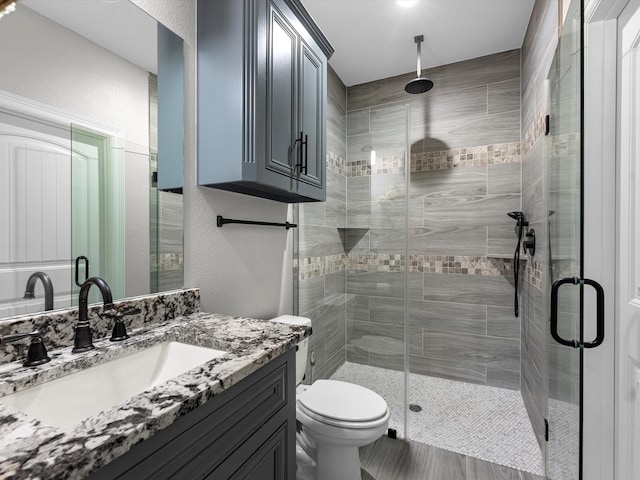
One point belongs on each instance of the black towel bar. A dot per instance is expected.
(221, 221)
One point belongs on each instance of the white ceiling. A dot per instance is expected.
(373, 39)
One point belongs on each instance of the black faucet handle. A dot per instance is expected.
(119, 329)
(37, 353)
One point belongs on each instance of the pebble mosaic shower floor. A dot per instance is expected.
(483, 422)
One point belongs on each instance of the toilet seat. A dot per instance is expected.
(343, 405)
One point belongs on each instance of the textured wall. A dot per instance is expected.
(537, 53)
(464, 140)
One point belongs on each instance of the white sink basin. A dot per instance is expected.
(68, 400)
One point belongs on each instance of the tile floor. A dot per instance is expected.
(484, 423)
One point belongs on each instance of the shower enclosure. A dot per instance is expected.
(407, 270)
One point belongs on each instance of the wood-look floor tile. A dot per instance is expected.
(481, 470)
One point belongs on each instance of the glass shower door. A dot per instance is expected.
(566, 342)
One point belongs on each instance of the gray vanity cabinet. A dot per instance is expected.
(246, 432)
(262, 70)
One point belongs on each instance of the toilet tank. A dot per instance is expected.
(303, 346)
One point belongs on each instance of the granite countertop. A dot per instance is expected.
(30, 449)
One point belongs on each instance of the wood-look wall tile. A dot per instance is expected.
(462, 103)
(504, 96)
(415, 341)
(480, 350)
(449, 240)
(358, 122)
(389, 120)
(449, 368)
(359, 148)
(318, 241)
(334, 286)
(472, 131)
(502, 240)
(327, 369)
(471, 289)
(472, 210)
(498, 377)
(336, 128)
(503, 178)
(416, 285)
(383, 284)
(387, 310)
(563, 173)
(357, 354)
(454, 182)
(448, 317)
(358, 308)
(310, 294)
(416, 212)
(311, 213)
(447, 78)
(359, 201)
(376, 337)
(533, 202)
(501, 322)
(535, 48)
(387, 240)
(390, 360)
(388, 206)
(532, 164)
(336, 87)
(336, 203)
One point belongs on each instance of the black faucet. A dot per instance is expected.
(48, 288)
(82, 340)
(37, 353)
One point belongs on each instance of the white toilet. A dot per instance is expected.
(336, 418)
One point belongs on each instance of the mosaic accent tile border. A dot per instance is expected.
(464, 265)
(313, 267)
(565, 145)
(336, 163)
(384, 165)
(467, 157)
(534, 274)
(376, 262)
(163, 262)
(533, 133)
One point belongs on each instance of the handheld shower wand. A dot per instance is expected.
(521, 223)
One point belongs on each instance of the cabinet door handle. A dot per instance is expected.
(599, 312)
(303, 156)
(306, 154)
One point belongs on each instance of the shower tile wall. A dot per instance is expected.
(465, 176)
(321, 252)
(537, 53)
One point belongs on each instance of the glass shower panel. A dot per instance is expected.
(564, 170)
(376, 253)
(97, 209)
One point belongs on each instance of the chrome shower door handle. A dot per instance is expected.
(599, 312)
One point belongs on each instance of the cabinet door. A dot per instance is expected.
(312, 114)
(282, 42)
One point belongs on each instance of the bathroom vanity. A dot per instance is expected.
(231, 417)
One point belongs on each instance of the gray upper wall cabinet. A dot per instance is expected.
(262, 95)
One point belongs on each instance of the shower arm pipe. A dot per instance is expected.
(419, 40)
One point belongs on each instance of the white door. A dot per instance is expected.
(628, 328)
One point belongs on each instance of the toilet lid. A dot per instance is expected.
(343, 401)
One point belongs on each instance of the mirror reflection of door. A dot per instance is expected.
(35, 212)
(97, 209)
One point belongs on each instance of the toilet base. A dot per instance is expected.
(338, 462)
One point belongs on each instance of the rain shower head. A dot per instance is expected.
(420, 84)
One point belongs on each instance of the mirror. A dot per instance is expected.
(81, 102)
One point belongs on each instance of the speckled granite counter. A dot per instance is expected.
(29, 449)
